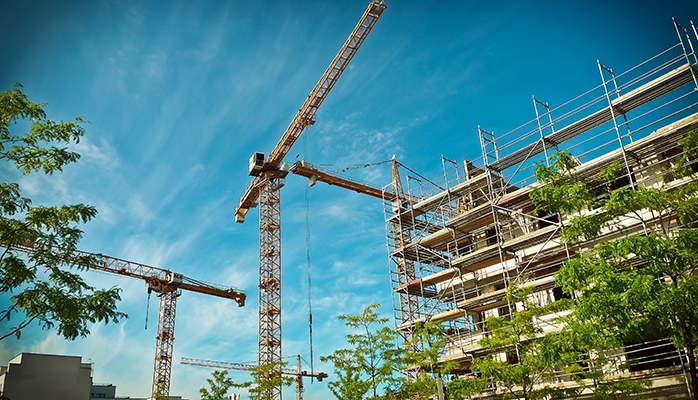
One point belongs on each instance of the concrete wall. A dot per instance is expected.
(42, 376)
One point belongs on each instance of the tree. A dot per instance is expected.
(45, 291)
(586, 353)
(640, 279)
(350, 384)
(371, 361)
(265, 378)
(520, 361)
(219, 384)
(160, 396)
(421, 356)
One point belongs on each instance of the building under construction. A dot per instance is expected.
(456, 243)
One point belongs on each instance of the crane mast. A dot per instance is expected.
(266, 187)
(168, 285)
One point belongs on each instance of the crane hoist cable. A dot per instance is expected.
(351, 167)
(307, 246)
(420, 175)
(147, 310)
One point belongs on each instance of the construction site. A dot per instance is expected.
(456, 243)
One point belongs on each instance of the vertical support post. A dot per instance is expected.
(485, 139)
(400, 235)
(270, 276)
(615, 122)
(164, 341)
(299, 380)
(686, 54)
(536, 102)
(444, 162)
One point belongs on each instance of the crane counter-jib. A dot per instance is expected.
(248, 199)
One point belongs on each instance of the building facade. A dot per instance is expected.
(43, 376)
(458, 242)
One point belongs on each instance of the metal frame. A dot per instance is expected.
(524, 247)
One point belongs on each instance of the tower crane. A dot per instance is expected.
(266, 187)
(168, 285)
(299, 373)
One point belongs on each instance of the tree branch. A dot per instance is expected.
(21, 326)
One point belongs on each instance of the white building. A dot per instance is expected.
(456, 243)
(32, 376)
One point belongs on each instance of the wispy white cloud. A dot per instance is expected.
(102, 156)
(139, 210)
(153, 251)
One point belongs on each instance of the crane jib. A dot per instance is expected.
(306, 114)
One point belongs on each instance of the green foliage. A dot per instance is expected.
(422, 358)
(160, 396)
(29, 151)
(637, 281)
(350, 383)
(561, 192)
(46, 292)
(266, 381)
(689, 144)
(219, 384)
(523, 360)
(371, 361)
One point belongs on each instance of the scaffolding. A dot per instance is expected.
(457, 242)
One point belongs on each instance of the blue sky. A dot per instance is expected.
(180, 94)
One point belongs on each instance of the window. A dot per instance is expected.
(491, 234)
(559, 294)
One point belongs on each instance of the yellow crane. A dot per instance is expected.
(315, 173)
(299, 373)
(168, 285)
(266, 187)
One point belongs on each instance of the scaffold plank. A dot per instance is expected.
(430, 203)
(652, 90)
(439, 239)
(441, 276)
(414, 252)
(530, 239)
(473, 219)
(417, 287)
(484, 257)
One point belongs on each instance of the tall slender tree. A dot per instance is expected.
(219, 384)
(368, 367)
(264, 378)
